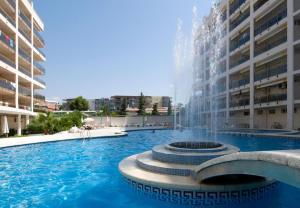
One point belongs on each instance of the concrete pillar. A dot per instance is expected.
(19, 125)
(27, 120)
(252, 89)
(227, 65)
(17, 54)
(32, 75)
(290, 66)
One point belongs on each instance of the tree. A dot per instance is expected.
(170, 108)
(141, 105)
(123, 107)
(155, 110)
(79, 104)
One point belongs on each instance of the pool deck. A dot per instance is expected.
(64, 136)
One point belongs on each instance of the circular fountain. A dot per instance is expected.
(168, 172)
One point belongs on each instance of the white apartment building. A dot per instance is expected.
(20, 62)
(258, 70)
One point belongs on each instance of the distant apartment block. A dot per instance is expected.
(258, 70)
(20, 62)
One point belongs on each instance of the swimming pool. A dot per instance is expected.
(85, 173)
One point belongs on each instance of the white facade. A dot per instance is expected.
(20, 61)
(258, 73)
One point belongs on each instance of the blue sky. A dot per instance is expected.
(99, 48)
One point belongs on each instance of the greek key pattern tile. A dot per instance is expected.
(202, 198)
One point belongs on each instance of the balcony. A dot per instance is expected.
(38, 35)
(244, 38)
(270, 72)
(269, 23)
(39, 97)
(24, 55)
(7, 40)
(25, 35)
(24, 71)
(39, 80)
(25, 19)
(235, 5)
(12, 3)
(7, 85)
(239, 83)
(240, 19)
(271, 98)
(41, 52)
(270, 43)
(242, 59)
(39, 67)
(259, 3)
(8, 18)
(239, 103)
(24, 91)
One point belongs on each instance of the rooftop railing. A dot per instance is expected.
(267, 45)
(236, 5)
(271, 98)
(239, 20)
(270, 72)
(281, 15)
(7, 85)
(39, 66)
(241, 41)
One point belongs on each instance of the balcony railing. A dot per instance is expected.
(271, 98)
(239, 61)
(39, 96)
(39, 66)
(270, 22)
(259, 3)
(239, 103)
(270, 73)
(12, 3)
(25, 19)
(7, 40)
(236, 5)
(239, 20)
(24, 91)
(39, 36)
(7, 61)
(24, 55)
(7, 17)
(7, 85)
(25, 35)
(24, 71)
(239, 83)
(39, 80)
(241, 41)
(267, 45)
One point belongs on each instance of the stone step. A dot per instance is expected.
(145, 161)
(161, 153)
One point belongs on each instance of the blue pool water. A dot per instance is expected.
(85, 173)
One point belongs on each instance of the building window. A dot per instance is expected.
(272, 111)
(260, 112)
(283, 110)
(246, 113)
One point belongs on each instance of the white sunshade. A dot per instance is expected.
(4, 126)
(88, 120)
